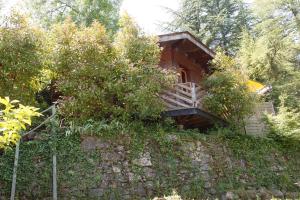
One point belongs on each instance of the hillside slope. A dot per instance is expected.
(197, 166)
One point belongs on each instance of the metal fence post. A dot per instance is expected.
(14, 181)
(54, 177)
(54, 161)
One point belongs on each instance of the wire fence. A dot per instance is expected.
(49, 119)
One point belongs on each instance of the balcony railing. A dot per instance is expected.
(183, 95)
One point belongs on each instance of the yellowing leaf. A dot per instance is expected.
(13, 120)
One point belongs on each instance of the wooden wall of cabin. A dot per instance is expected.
(173, 58)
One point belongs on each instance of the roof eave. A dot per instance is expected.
(188, 36)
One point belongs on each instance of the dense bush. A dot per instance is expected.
(23, 49)
(104, 79)
(98, 76)
(228, 94)
(286, 123)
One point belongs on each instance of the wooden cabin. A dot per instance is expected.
(189, 57)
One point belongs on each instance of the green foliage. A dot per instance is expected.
(135, 46)
(82, 61)
(77, 171)
(215, 22)
(13, 120)
(290, 89)
(83, 12)
(271, 55)
(286, 123)
(252, 159)
(142, 79)
(23, 49)
(75, 168)
(286, 11)
(101, 79)
(228, 95)
(256, 162)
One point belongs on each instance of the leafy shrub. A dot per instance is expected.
(13, 120)
(228, 95)
(23, 49)
(104, 79)
(286, 123)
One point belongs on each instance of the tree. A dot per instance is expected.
(101, 79)
(145, 79)
(13, 120)
(270, 53)
(269, 56)
(215, 22)
(287, 11)
(23, 59)
(81, 11)
(228, 94)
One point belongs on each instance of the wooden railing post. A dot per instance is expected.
(194, 96)
(183, 95)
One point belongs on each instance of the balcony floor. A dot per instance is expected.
(194, 118)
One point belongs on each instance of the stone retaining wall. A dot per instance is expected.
(149, 174)
(197, 167)
(193, 171)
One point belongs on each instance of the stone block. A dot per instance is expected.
(277, 193)
(144, 160)
(229, 196)
(91, 143)
(97, 192)
(264, 194)
(116, 169)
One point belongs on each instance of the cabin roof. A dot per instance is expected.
(186, 36)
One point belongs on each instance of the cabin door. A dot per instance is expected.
(183, 76)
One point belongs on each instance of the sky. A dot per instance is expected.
(147, 13)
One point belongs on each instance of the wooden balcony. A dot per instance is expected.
(184, 102)
(183, 95)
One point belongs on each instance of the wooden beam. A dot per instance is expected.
(210, 118)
